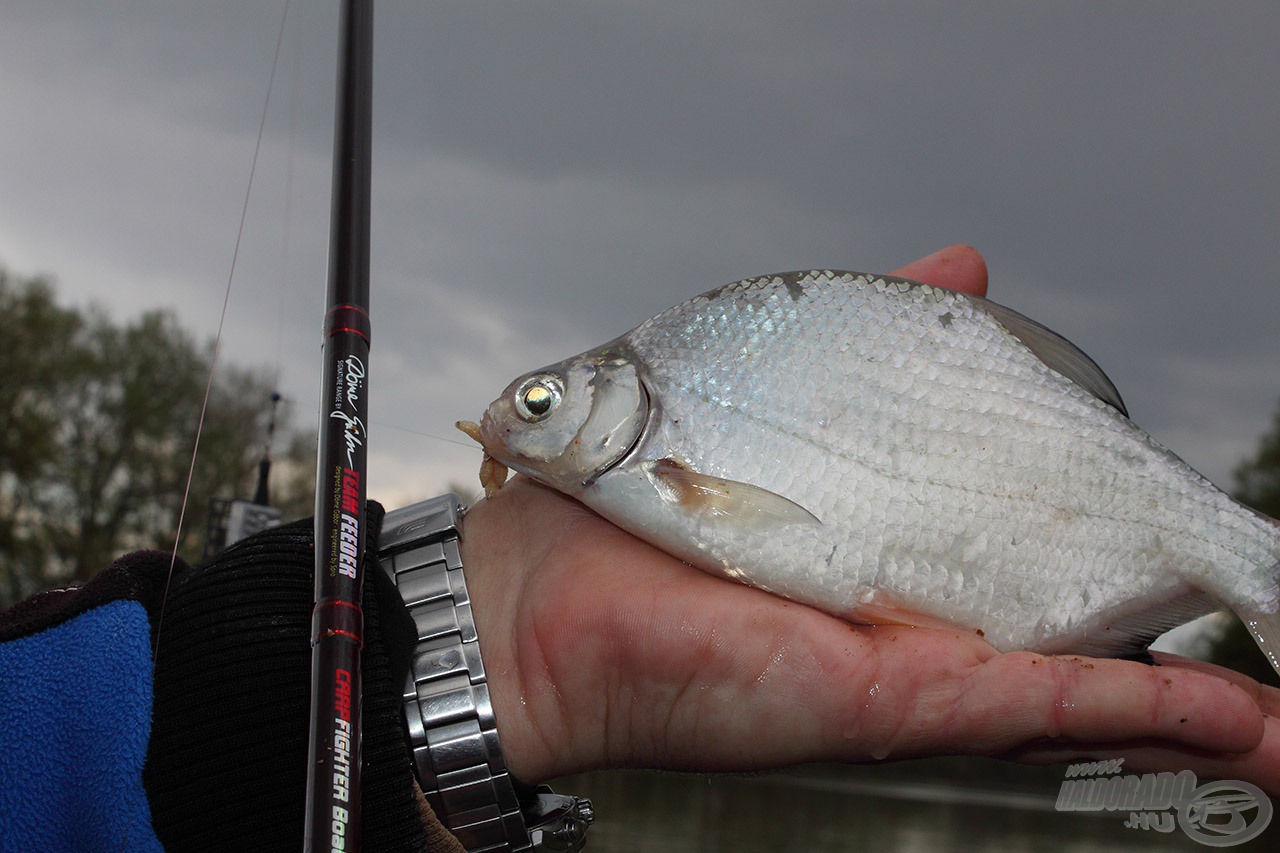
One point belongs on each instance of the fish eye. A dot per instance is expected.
(538, 396)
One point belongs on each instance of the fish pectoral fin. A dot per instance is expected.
(726, 500)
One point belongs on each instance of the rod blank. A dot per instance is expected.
(333, 775)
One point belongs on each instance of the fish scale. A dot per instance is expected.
(890, 451)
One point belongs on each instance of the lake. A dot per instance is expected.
(933, 806)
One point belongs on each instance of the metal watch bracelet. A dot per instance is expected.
(452, 731)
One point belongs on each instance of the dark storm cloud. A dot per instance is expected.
(549, 174)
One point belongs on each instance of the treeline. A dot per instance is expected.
(97, 422)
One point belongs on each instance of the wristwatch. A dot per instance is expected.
(449, 717)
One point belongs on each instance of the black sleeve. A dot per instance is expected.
(226, 765)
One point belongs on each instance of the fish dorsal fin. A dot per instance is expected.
(725, 501)
(1057, 352)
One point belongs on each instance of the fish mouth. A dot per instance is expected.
(492, 442)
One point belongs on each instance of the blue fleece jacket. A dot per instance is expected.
(75, 737)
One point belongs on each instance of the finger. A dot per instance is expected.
(1260, 766)
(901, 692)
(1267, 697)
(1100, 701)
(957, 267)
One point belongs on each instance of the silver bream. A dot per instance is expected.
(892, 452)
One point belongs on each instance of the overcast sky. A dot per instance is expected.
(547, 175)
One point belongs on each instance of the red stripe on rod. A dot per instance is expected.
(348, 318)
(346, 619)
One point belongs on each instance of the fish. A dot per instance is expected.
(893, 453)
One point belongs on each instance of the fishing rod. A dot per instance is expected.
(337, 622)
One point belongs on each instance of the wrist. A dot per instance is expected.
(567, 628)
(451, 725)
(536, 738)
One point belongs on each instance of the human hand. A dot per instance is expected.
(602, 651)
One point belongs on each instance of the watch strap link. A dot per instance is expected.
(449, 715)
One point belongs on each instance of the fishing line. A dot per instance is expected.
(213, 361)
(287, 229)
(467, 444)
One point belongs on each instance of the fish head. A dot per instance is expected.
(568, 423)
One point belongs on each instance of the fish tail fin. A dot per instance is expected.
(1265, 628)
